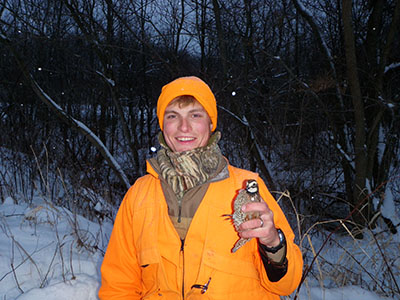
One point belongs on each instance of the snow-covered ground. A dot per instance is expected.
(47, 252)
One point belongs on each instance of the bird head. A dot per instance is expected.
(251, 186)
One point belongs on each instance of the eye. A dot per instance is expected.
(170, 116)
(197, 115)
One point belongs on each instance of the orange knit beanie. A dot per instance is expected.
(192, 86)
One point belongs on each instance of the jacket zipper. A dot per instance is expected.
(183, 267)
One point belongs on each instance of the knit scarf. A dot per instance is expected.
(188, 169)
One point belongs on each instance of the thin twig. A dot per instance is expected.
(309, 267)
(386, 262)
(13, 269)
(49, 268)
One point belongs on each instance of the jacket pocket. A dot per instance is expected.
(231, 277)
(149, 267)
(230, 265)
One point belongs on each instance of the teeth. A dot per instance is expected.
(184, 139)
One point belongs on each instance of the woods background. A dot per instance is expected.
(308, 95)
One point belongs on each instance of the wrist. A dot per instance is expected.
(278, 246)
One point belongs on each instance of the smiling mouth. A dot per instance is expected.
(185, 139)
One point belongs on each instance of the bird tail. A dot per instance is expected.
(239, 244)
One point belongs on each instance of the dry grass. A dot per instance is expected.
(335, 260)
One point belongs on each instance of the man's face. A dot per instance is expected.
(186, 128)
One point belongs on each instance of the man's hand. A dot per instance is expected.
(263, 227)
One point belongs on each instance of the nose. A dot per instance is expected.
(184, 125)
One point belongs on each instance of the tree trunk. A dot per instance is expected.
(359, 192)
(220, 36)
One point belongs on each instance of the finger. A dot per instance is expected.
(251, 224)
(256, 228)
(262, 222)
(258, 232)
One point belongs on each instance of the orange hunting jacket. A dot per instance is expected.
(146, 259)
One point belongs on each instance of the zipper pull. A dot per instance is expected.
(180, 209)
(203, 288)
(180, 214)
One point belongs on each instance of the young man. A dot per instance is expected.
(171, 238)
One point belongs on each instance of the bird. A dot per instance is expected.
(245, 195)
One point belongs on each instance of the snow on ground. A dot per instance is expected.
(47, 252)
(343, 293)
